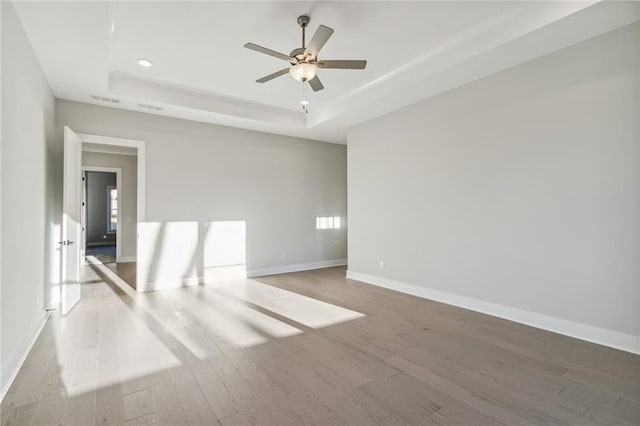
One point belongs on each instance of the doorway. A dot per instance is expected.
(119, 207)
(109, 209)
(73, 243)
(102, 213)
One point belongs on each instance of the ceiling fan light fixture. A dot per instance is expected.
(303, 71)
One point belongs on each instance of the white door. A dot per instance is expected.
(71, 215)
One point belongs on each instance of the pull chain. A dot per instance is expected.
(305, 101)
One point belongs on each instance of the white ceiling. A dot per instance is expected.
(202, 72)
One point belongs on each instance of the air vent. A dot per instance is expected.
(151, 107)
(105, 99)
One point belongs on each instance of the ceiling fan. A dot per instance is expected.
(303, 61)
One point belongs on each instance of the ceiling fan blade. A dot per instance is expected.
(272, 76)
(318, 40)
(269, 52)
(345, 65)
(316, 84)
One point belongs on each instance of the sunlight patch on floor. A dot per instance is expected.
(113, 336)
(302, 309)
(102, 342)
(232, 321)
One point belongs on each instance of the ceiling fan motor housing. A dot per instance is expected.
(303, 20)
(298, 54)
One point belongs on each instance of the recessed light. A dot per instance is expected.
(144, 62)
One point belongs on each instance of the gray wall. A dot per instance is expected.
(97, 217)
(200, 177)
(520, 190)
(127, 197)
(29, 226)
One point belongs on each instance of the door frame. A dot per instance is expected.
(141, 196)
(118, 172)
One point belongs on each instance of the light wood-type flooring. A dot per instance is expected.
(309, 348)
(126, 271)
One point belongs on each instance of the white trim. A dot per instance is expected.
(108, 140)
(614, 339)
(118, 172)
(101, 169)
(141, 179)
(296, 268)
(110, 209)
(12, 368)
(132, 143)
(181, 282)
(107, 150)
(126, 259)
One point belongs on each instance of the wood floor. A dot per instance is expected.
(309, 348)
(126, 271)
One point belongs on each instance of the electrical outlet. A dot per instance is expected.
(381, 265)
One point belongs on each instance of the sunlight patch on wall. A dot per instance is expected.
(224, 251)
(176, 254)
(148, 234)
(176, 263)
(328, 222)
(167, 254)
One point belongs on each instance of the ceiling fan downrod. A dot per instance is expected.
(303, 21)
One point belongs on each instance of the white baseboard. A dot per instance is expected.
(102, 244)
(166, 284)
(10, 371)
(126, 259)
(296, 268)
(614, 339)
